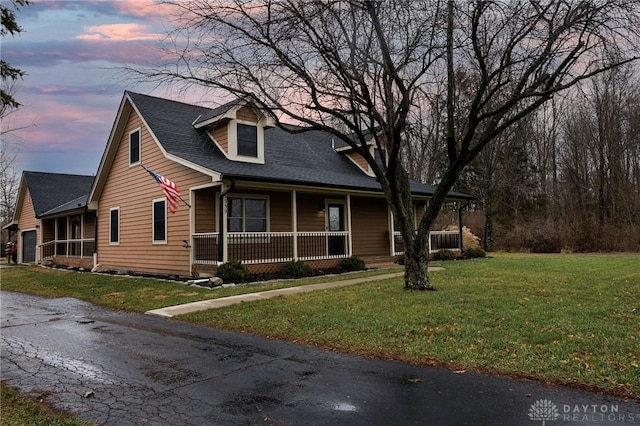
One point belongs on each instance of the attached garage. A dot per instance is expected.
(29, 244)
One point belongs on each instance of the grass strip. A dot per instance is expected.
(19, 409)
(136, 294)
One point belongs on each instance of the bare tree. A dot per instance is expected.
(368, 65)
(8, 105)
(600, 160)
(9, 182)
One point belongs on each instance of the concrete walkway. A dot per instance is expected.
(187, 308)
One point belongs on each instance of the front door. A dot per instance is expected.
(335, 223)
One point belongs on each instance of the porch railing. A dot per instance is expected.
(438, 240)
(67, 248)
(270, 247)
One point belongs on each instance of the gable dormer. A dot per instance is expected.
(356, 158)
(238, 129)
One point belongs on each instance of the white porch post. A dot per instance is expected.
(294, 222)
(55, 236)
(66, 253)
(223, 227)
(192, 219)
(349, 239)
(81, 235)
(392, 236)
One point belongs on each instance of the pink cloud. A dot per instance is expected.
(118, 32)
(145, 9)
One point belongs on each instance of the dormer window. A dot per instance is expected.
(238, 130)
(247, 140)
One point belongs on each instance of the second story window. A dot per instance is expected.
(134, 147)
(247, 140)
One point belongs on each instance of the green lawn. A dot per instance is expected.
(565, 319)
(562, 319)
(134, 294)
(20, 410)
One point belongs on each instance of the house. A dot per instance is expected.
(288, 195)
(250, 191)
(51, 220)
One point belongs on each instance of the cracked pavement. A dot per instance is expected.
(118, 368)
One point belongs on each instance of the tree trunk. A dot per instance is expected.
(488, 223)
(416, 260)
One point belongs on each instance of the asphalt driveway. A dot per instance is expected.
(126, 369)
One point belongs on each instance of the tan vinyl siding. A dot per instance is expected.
(27, 218)
(204, 205)
(246, 114)
(27, 222)
(419, 209)
(221, 135)
(89, 225)
(310, 217)
(280, 212)
(359, 160)
(132, 190)
(370, 226)
(48, 230)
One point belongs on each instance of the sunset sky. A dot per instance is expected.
(71, 52)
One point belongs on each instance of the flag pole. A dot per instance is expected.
(179, 196)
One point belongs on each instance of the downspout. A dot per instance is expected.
(221, 219)
(460, 208)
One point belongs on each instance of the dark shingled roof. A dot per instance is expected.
(57, 192)
(307, 158)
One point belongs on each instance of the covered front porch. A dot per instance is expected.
(69, 240)
(264, 225)
(279, 247)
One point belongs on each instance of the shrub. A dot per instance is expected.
(472, 253)
(444, 255)
(296, 269)
(232, 272)
(353, 263)
(543, 243)
(469, 239)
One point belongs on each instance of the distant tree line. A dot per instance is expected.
(564, 178)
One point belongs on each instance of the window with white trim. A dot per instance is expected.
(134, 147)
(114, 225)
(247, 140)
(159, 221)
(247, 214)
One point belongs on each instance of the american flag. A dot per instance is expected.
(169, 188)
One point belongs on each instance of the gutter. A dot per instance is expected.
(456, 196)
